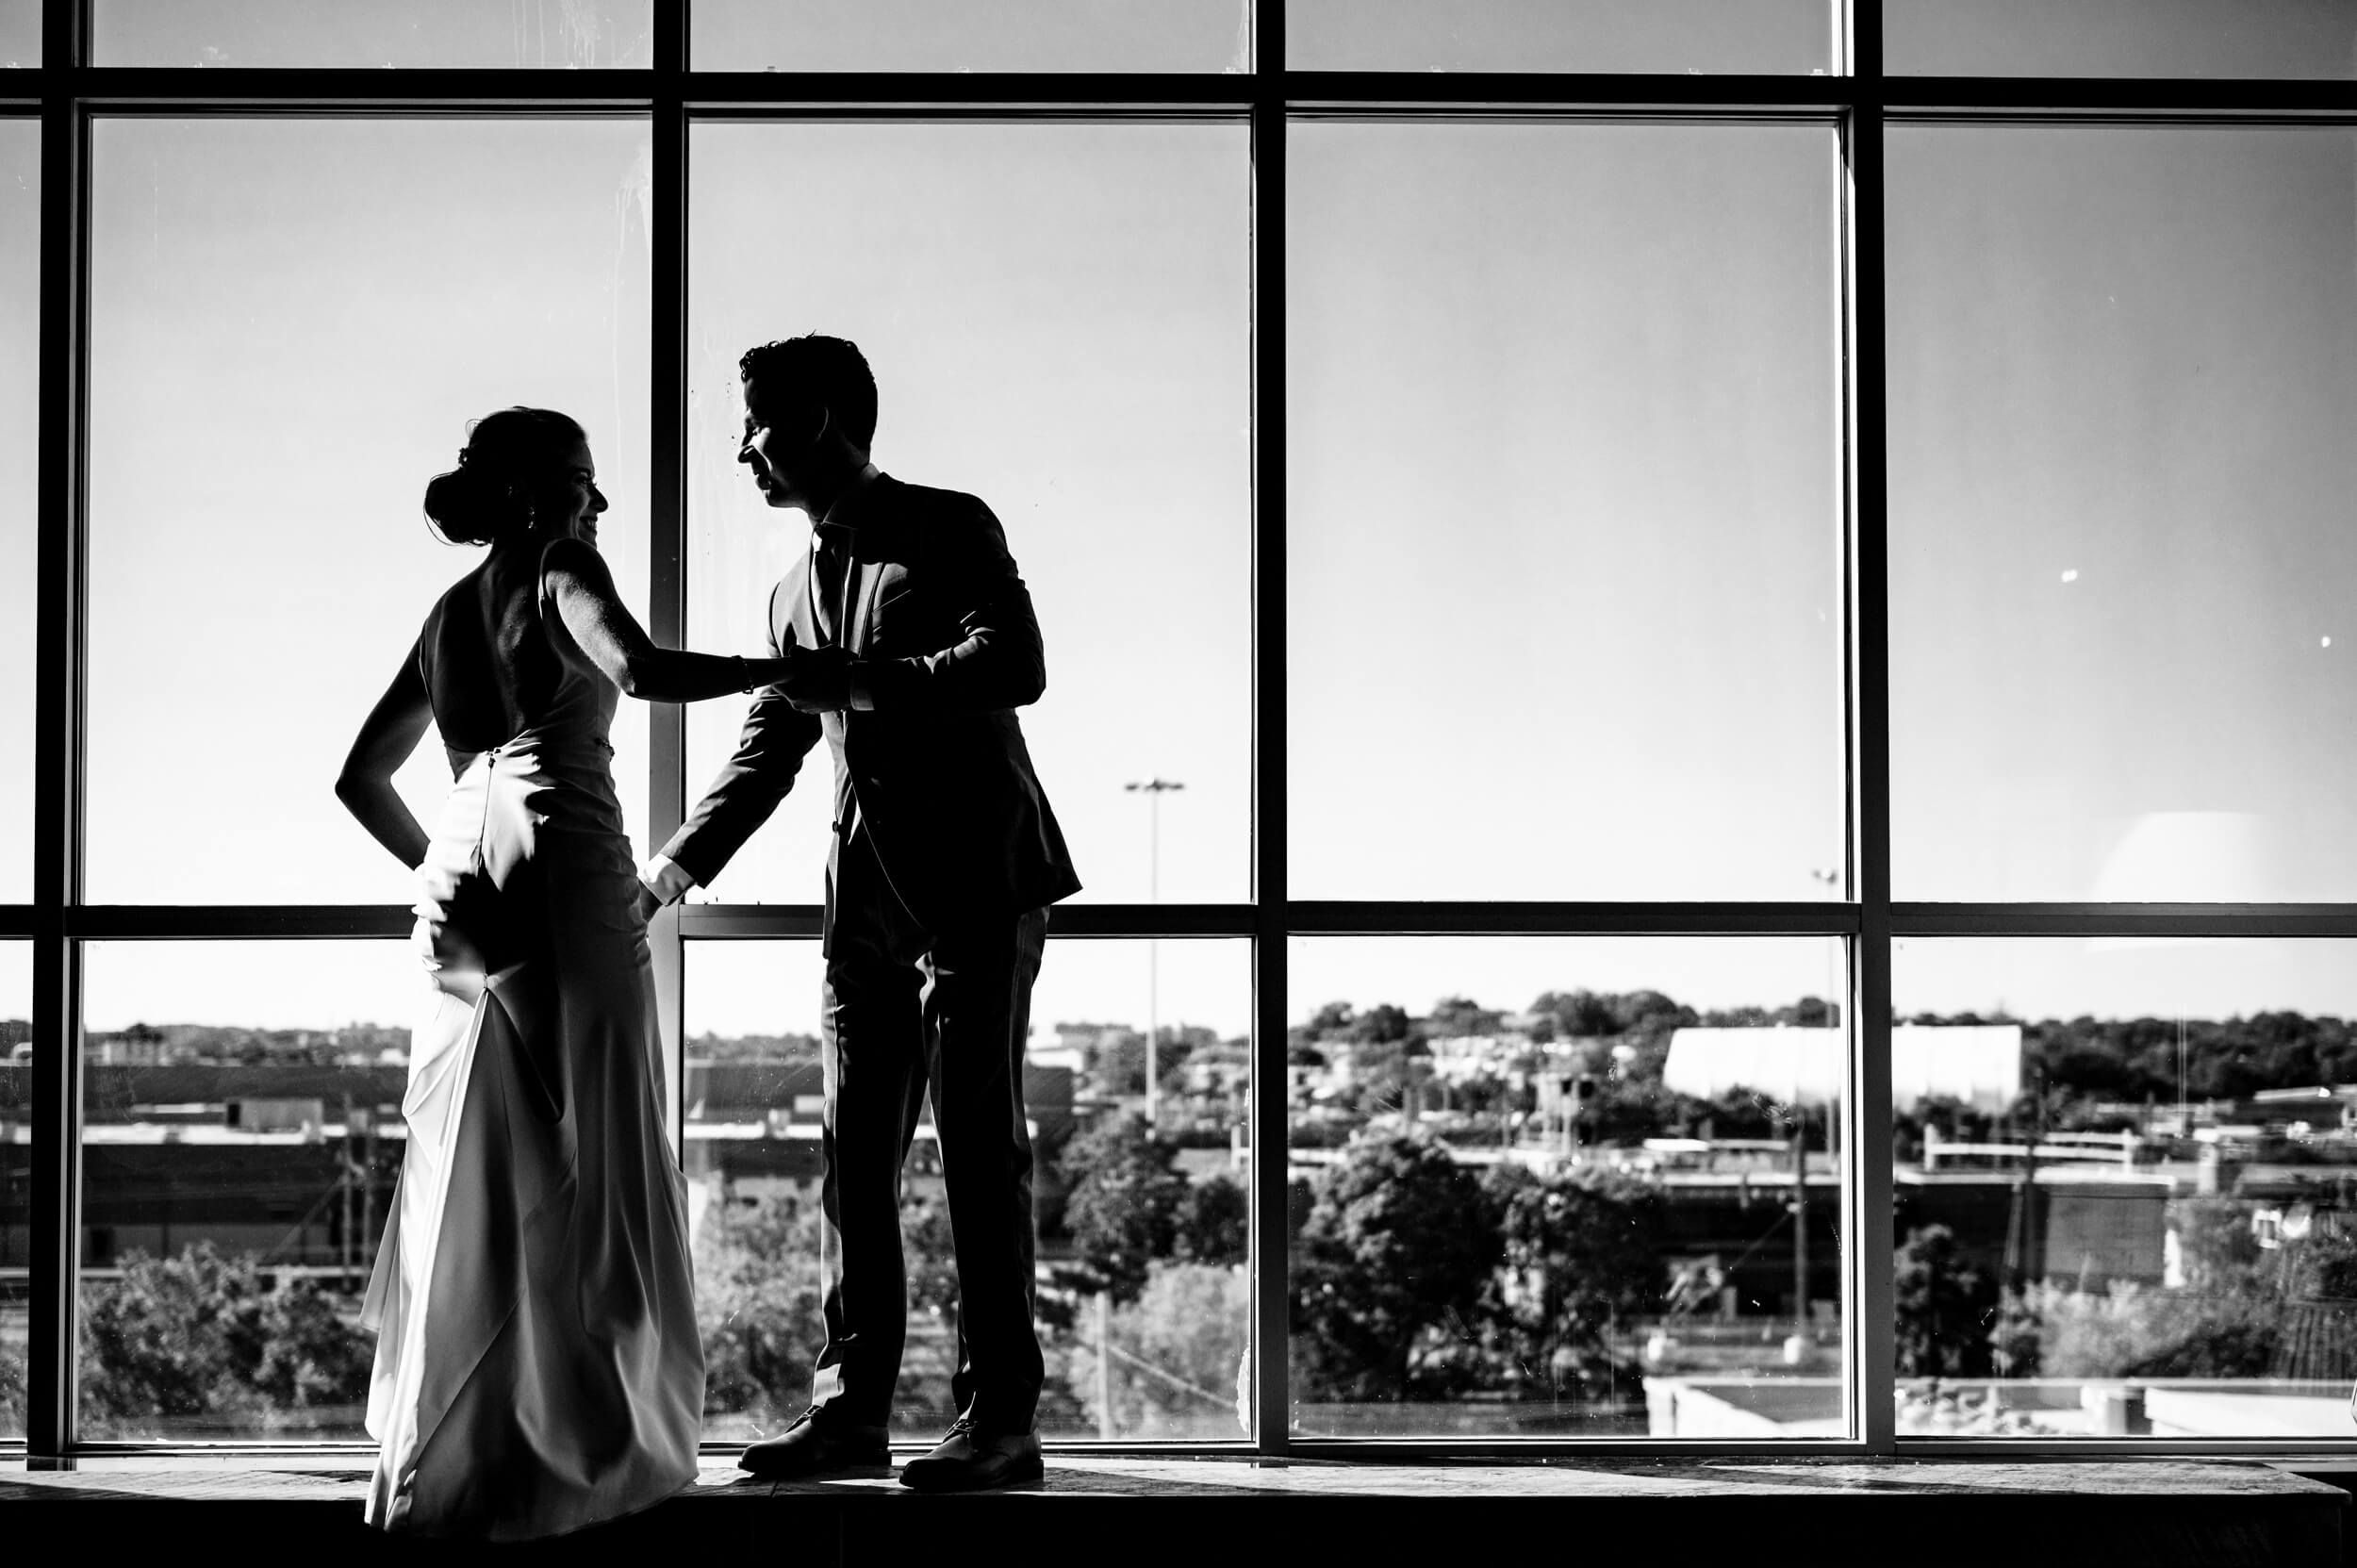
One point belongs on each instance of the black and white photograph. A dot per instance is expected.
(1265, 778)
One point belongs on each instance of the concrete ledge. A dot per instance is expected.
(1222, 1513)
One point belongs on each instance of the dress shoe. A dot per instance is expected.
(817, 1448)
(970, 1459)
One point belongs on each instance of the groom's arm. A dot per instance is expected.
(997, 660)
(769, 755)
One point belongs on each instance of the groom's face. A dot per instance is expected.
(781, 445)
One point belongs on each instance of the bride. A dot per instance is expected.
(537, 1364)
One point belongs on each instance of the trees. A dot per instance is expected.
(198, 1339)
(1176, 1348)
(757, 1306)
(1124, 1209)
(1213, 1222)
(1414, 1278)
(1944, 1308)
(1580, 1251)
(1394, 1246)
(1454, 1015)
(1117, 1059)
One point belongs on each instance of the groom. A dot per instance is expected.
(912, 642)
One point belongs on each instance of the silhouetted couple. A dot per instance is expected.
(538, 1367)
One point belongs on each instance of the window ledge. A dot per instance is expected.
(1983, 1512)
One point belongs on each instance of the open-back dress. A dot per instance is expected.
(537, 1364)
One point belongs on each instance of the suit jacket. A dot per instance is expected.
(946, 648)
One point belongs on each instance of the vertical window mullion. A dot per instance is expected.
(56, 743)
(1270, 1172)
(1874, 1344)
(667, 517)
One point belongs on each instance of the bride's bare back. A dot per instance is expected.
(490, 661)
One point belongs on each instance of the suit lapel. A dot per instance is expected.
(795, 629)
(867, 563)
(869, 577)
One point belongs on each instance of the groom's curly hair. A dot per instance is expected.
(815, 369)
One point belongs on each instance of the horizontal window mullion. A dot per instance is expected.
(2120, 919)
(1593, 1449)
(165, 922)
(174, 922)
(19, 920)
(1908, 95)
(2334, 1450)
(300, 89)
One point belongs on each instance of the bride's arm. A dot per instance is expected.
(608, 637)
(390, 733)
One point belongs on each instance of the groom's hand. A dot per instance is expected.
(819, 680)
(647, 904)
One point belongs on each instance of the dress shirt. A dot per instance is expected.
(659, 873)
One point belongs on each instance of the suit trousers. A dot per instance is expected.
(907, 1010)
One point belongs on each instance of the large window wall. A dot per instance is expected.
(1696, 675)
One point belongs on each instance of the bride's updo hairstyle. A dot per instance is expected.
(511, 459)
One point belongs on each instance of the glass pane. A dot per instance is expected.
(1058, 317)
(1573, 1216)
(20, 390)
(569, 36)
(1562, 454)
(1766, 36)
(2118, 357)
(16, 1179)
(20, 34)
(971, 35)
(1141, 1235)
(2120, 38)
(292, 324)
(241, 1137)
(2131, 1216)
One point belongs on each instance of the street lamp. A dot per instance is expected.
(1153, 790)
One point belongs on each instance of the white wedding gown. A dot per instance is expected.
(538, 1366)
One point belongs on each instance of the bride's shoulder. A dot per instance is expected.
(571, 557)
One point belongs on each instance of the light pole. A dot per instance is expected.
(1153, 790)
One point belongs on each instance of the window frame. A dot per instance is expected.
(66, 94)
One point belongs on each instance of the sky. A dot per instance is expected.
(1564, 492)
(2090, 37)
(970, 35)
(1765, 36)
(2120, 38)
(2122, 360)
(729, 35)
(1564, 512)
(19, 33)
(1057, 318)
(20, 390)
(557, 34)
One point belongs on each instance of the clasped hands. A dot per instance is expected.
(817, 680)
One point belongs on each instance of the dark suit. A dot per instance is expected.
(945, 857)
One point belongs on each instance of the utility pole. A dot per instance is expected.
(1800, 1227)
(1153, 790)
(1105, 1366)
(347, 1251)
